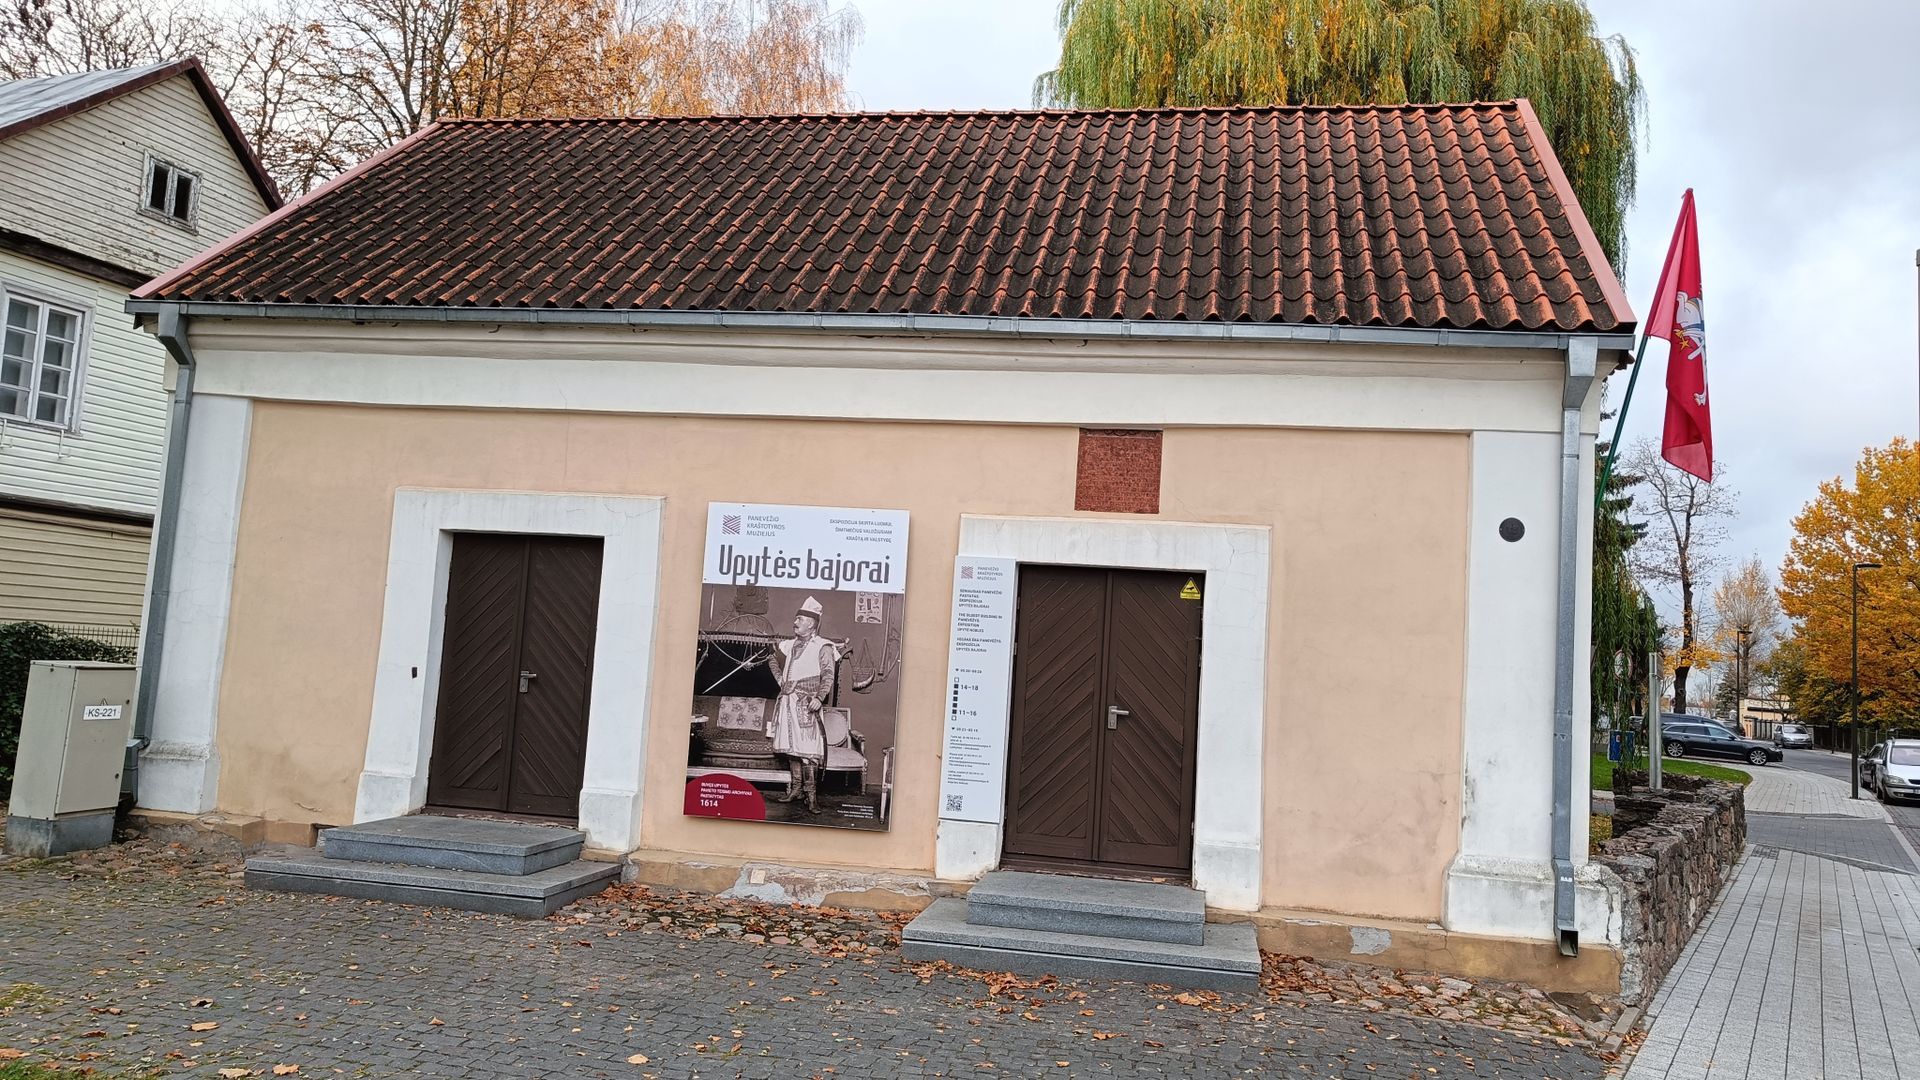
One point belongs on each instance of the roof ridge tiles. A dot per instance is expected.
(1061, 112)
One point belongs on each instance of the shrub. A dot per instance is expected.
(20, 645)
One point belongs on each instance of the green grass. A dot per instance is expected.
(20, 994)
(1602, 772)
(20, 1070)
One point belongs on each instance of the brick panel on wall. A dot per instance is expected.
(1119, 471)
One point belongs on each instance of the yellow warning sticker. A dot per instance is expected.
(1191, 591)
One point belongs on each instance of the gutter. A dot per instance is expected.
(1582, 371)
(171, 329)
(1097, 329)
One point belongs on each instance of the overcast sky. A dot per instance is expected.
(1797, 125)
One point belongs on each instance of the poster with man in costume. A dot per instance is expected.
(796, 665)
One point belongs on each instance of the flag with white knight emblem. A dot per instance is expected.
(1687, 439)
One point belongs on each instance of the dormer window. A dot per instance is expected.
(170, 191)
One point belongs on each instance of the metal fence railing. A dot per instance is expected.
(126, 635)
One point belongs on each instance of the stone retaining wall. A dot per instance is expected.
(1672, 850)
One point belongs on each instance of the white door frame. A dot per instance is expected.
(407, 682)
(1228, 797)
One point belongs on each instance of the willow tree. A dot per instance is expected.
(1584, 87)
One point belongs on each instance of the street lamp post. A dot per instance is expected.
(1853, 720)
(1740, 677)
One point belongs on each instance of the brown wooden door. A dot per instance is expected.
(515, 604)
(1105, 713)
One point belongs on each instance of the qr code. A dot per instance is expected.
(953, 803)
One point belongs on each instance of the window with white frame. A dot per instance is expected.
(170, 191)
(39, 360)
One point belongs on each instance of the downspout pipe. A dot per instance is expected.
(1583, 355)
(171, 329)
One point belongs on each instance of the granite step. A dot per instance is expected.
(1098, 907)
(1228, 959)
(451, 843)
(531, 895)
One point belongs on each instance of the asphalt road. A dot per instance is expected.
(1818, 761)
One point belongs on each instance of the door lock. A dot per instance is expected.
(1114, 713)
(525, 678)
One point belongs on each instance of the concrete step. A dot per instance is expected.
(487, 847)
(531, 895)
(1099, 907)
(1227, 960)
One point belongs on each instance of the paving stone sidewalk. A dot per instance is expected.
(1806, 971)
(116, 972)
(1776, 790)
(1871, 845)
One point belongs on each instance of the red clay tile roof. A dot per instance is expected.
(1416, 216)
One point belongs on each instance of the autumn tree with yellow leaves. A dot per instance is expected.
(1875, 519)
(320, 84)
(1746, 624)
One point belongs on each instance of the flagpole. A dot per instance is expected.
(1613, 447)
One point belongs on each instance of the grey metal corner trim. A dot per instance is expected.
(1105, 329)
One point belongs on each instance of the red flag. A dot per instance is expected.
(1687, 441)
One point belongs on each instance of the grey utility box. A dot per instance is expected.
(73, 744)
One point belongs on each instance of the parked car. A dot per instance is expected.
(1793, 737)
(1693, 736)
(1866, 764)
(1891, 770)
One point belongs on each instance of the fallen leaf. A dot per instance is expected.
(1155, 1045)
(201, 1003)
(1105, 1035)
(285, 1070)
(637, 1059)
(1063, 1064)
(436, 1022)
(204, 1025)
(235, 1074)
(8, 1053)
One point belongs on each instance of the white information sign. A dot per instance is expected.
(806, 547)
(979, 676)
(101, 712)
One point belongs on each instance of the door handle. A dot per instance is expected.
(1114, 713)
(525, 678)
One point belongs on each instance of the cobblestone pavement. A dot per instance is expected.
(188, 973)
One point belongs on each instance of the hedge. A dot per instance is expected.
(20, 645)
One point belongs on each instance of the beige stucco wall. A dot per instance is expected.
(1366, 651)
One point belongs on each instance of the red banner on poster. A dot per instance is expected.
(724, 795)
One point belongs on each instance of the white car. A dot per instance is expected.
(1892, 770)
(1793, 737)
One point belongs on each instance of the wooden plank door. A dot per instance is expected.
(1105, 714)
(1153, 676)
(479, 665)
(516, 605)
(1053, 750)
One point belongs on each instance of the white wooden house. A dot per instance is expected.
(109, 178)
